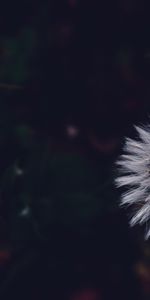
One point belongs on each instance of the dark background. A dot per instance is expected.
(74, 79)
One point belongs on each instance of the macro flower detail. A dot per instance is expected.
(134, 176)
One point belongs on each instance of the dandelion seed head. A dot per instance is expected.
(134, 174)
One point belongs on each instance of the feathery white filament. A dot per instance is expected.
(134, 173)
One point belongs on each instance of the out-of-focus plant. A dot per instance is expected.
(41, 190)
(15, 57)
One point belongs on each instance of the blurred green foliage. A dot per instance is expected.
(42, 190)
(15, 58)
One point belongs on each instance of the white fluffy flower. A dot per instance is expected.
(134, 174)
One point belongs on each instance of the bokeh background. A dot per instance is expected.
(74, 79)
